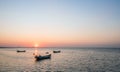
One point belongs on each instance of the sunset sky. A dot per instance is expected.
(60, 23)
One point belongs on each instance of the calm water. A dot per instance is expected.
(69, 60)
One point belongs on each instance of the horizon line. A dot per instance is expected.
(57, 47)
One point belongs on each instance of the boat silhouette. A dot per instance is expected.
(56, 51)
(42, 57)
(21, 50)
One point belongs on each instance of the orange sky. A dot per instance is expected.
(59, 23)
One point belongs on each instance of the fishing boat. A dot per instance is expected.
(42, 57)
(56, 51)
(21, 51)
(47, 52)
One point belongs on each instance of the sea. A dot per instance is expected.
(68, 60)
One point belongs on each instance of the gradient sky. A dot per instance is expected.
(60, 23)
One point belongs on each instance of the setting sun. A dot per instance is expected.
(36, 45)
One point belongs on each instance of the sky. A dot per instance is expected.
(60, 23)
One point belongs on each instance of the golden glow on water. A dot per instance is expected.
(36, 51)
(36, 45)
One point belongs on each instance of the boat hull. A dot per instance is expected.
(56, 51)
(21, 51)
(43, 57)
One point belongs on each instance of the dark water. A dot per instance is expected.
(69, 60)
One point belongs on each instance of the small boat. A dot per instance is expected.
(47, 52)
(56, 51)
(42, 57)
(21, 51)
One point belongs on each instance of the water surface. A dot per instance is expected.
(69, 60)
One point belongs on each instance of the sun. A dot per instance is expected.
(36, 45)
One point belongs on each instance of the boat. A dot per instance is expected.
(42, 57)
(56, 51)
(21, 51)
(47, 52)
